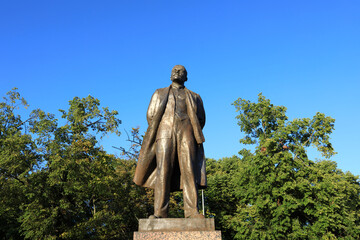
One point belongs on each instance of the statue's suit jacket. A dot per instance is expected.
(161, 101)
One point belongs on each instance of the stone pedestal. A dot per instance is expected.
(177, 229)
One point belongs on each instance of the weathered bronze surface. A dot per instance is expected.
(172, 155)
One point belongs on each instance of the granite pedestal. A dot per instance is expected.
(177, 229)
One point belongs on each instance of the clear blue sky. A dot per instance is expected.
(304, 55)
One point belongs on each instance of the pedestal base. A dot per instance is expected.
(189, 235)
(177, 229)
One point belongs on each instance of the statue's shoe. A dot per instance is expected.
(153, 217)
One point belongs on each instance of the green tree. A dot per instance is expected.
(56, 180)
(81, 192)
(17, 160)
(221, 200)
(282, 193)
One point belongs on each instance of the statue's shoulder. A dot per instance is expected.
(161, 92)
(194, 94)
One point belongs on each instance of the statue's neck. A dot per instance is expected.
(177, 85)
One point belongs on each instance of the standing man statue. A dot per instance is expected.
(172, 154)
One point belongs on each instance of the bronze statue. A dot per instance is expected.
(172, 154)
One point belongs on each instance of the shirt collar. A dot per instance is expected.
(177, 86)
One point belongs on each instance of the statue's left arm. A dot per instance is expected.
(153, 105)
(200, 111)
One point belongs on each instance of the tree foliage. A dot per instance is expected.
(56, 180)
(221, 200)
(281, 193)
(17, 160)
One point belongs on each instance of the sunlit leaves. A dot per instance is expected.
(263, 121)
(84, 115)
(56, 180)
(281, 193)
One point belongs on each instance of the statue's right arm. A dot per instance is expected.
(154, 103)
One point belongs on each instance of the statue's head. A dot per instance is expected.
(178, 74)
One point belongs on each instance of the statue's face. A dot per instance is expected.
(178, 74)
